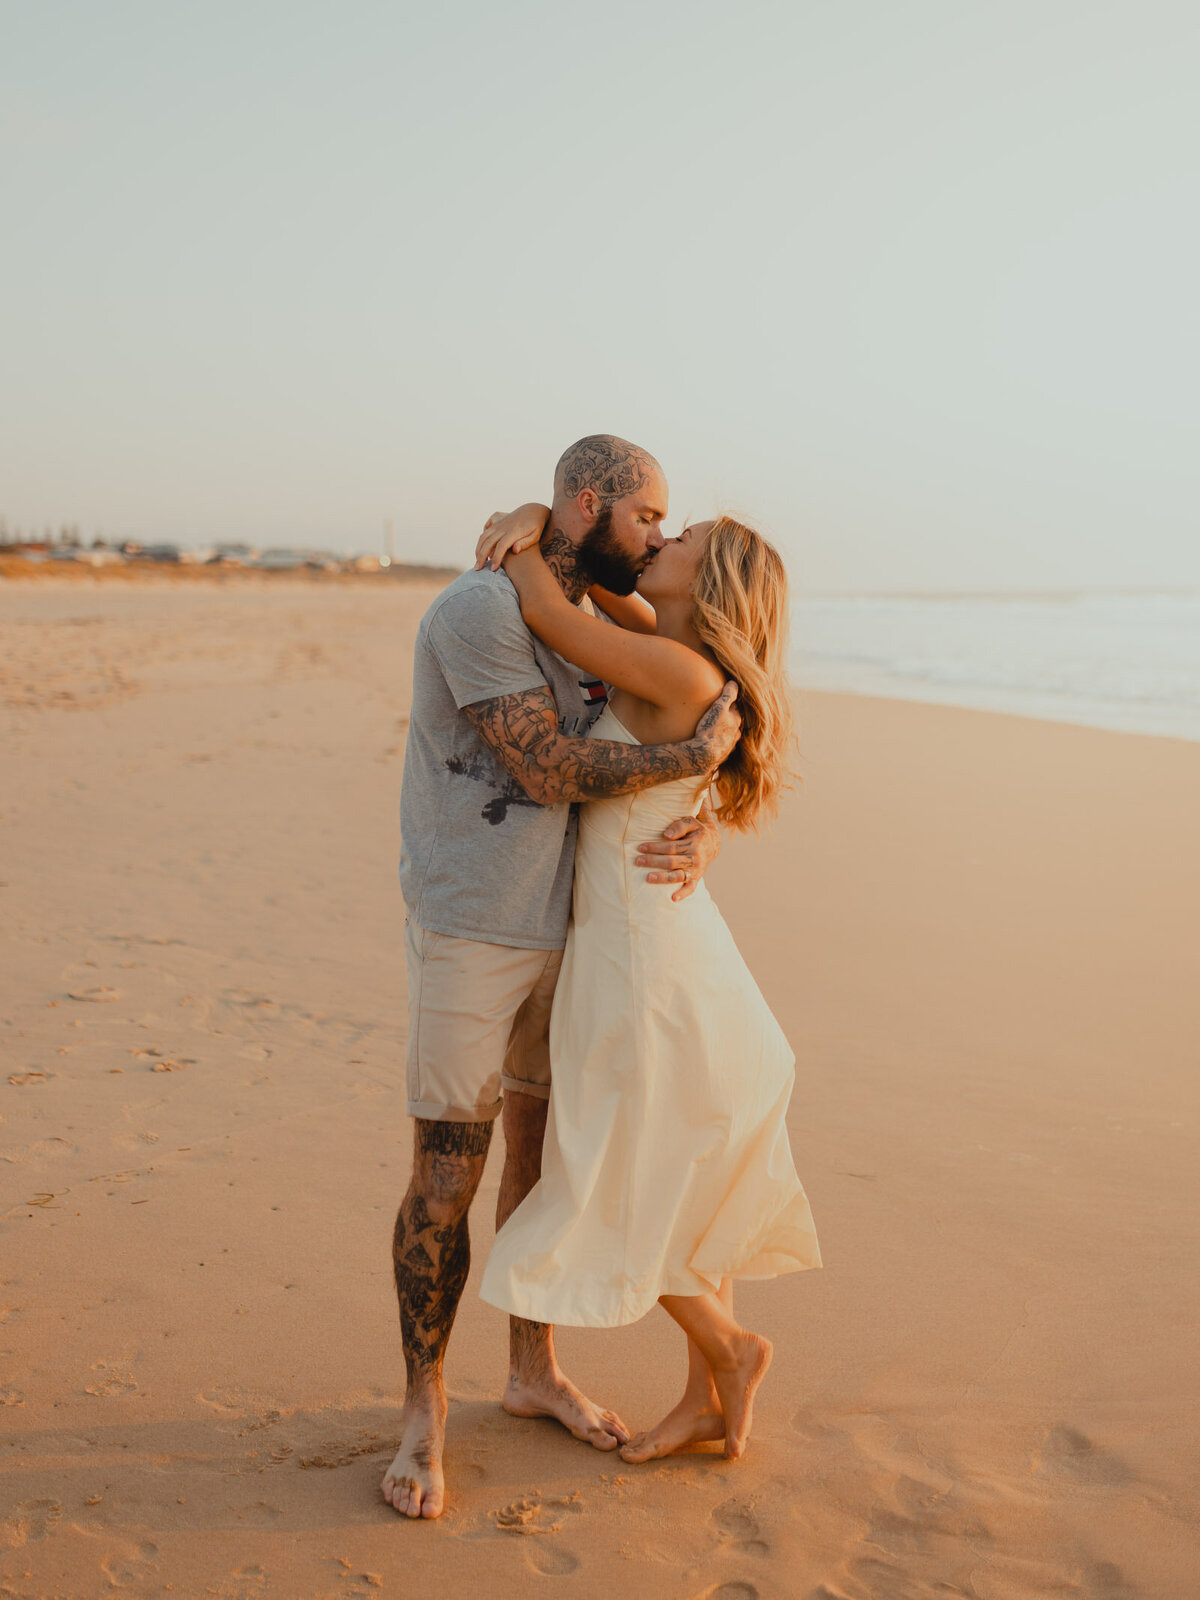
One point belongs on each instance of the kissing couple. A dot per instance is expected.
(573, 705)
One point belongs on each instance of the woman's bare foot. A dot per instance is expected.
(414, 1483)
(695, 1420)
(749, 1358)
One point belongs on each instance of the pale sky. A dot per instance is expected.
(910, 283)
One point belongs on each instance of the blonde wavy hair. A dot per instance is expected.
(740, 611)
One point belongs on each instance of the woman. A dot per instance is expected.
(666, 1170)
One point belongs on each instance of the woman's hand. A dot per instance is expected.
(511, 531)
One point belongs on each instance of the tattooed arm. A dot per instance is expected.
(522, 731)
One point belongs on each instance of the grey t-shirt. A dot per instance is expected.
(480, 859)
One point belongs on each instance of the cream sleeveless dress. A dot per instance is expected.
(666, 1164)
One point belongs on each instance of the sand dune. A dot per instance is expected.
(980, 934)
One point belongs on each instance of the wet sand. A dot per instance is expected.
(980, 933)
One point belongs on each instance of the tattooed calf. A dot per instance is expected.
(455, 1138)
(455, 1153)
(431, 1257)
(430, 1266)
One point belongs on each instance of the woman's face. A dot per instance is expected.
(669, 575)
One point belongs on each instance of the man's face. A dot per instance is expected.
(625, 535)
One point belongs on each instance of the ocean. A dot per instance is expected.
(1130, 662)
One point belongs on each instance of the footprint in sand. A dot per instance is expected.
(1073, 1454)
(738, 1528)
(101, 995)
(255, 1002)
(735, 1518)
(53, 1148)
(110, 1379)
(230, 1402)
(130, 1566)
(551, 1560)
(268, 1419)
(341, 1454)
(1105, 1581)
(533, 1514)
(732, 1591)
(526, 1515)
(33, 1520)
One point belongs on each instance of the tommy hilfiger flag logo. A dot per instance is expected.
(593, 690)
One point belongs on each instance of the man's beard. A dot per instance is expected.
(605, 562)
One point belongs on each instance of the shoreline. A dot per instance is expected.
(812, 674)
(903, 694)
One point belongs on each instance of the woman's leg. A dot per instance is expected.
(737, 1359)
(701, 1413)
(698, 1417)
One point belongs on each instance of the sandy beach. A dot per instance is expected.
(980, 933)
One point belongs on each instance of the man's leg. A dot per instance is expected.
(431, 1255)
(536, 1387)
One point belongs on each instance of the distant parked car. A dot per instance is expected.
(233, 555)
(281, 560)
(160, 552)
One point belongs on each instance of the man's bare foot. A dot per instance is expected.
(696, 1419)
(414, 1483)
(749, 1358)
(552, 1395)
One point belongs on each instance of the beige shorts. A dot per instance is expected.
(478, 1023)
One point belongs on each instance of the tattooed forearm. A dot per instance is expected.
(595, 769)
(522, 731)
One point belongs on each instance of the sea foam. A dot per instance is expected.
(1130, 662)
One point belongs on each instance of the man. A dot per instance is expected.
(497, 754)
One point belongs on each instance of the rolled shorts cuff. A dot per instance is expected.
(540, 1091)
(436, 1111)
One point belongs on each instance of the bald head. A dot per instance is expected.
(610, 498)
(612, 468)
